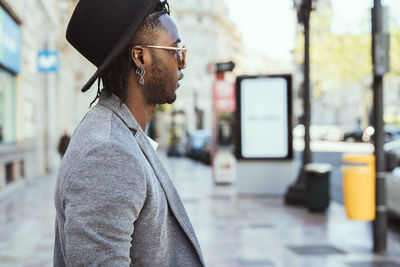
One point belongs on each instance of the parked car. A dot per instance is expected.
(393, 191)
(333, 133)
(392, 156)
(199, 146)
(390, 134)
(359, 135)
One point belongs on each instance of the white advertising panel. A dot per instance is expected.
(264, 115)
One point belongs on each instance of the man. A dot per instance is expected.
(115, 202)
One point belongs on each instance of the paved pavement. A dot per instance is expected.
(27, 224)
(232, 230)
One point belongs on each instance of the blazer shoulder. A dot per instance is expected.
(100, 126)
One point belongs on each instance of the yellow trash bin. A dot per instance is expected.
(359, 186)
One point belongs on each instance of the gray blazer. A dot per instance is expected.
(116, 204)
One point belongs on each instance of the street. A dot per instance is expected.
(232, 230)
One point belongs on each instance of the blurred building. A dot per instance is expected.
(36, 107)
(211, 37)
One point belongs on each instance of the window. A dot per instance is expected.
(7, 107)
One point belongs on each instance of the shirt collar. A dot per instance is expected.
(153, 143)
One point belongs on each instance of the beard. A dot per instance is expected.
(156, 89)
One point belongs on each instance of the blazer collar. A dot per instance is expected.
(112, 102)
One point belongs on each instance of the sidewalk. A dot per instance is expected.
(233, 231)
(27, 224)
(262, 231)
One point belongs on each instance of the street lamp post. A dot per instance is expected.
(295, 194)
(380, 58)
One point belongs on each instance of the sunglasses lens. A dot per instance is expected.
(182, 58)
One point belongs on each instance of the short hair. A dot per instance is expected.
(115, 77)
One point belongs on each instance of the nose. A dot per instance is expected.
(181, 66)
(181, 75)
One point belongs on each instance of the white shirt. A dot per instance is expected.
(153, 143)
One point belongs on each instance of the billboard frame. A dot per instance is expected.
(238, 112)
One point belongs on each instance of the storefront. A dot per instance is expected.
(11, 155)
(7, 107)
(10, 46)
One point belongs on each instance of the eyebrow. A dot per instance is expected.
(178, 41)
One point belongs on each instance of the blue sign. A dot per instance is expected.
(48, 61)
(10, 42)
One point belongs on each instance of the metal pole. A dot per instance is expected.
(380, 222)
(306, 101)
(46, 126)
(295, 194)
(46, 135)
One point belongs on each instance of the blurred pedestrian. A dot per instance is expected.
(116, 204)
(63, 143)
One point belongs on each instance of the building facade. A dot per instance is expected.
(36, 107)
(211, 37)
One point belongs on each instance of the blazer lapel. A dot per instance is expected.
(112, 102)
(171, 193)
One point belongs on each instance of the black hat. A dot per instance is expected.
(101, 29)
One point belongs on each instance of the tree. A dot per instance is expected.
(344, 61)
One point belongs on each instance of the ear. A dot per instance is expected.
(137, 56)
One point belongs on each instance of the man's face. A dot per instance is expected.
(164, 73)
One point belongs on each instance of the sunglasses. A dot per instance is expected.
(180, 53)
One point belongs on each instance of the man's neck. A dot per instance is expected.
(137, 105)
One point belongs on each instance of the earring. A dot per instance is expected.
(140, 71)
